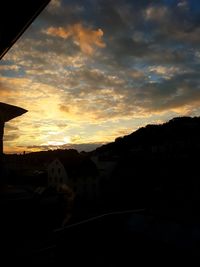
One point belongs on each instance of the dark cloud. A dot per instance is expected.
(62, 125)
(11, 127)
(177, 92)
(80, 147)
(109, 17)
(126, 46)
(11, 137)
(173, 25)
(166, 34)
(11, 132)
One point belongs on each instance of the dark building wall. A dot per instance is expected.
(1, 138)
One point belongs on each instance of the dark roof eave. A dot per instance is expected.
(18, 15)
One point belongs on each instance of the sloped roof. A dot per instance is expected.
(17, 16)
(9, 112)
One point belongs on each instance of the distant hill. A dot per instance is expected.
(179, 130)
(157, 167)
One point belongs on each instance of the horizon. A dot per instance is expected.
(84, 147)
(91, 72)
(89, 147)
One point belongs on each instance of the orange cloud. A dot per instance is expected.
(85, 38)
(60, 32)
(64, 109)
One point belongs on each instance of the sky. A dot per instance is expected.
(90, 71)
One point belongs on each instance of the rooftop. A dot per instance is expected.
(18, 15)
(9, 112)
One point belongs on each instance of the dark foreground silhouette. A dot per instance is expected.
(121, 239)
(153, 173)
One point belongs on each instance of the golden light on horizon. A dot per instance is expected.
(57, 141)
(67, 140)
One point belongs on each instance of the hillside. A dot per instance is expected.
(180, 131)
(157, 168)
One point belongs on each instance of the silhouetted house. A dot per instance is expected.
(7, 113)
(105, 166)
(80, 176)
(57, 174)
(160, 148)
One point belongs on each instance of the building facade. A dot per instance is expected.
(57, 175)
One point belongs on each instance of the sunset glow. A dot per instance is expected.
(90, 71)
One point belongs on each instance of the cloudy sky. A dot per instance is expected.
(90, 71)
